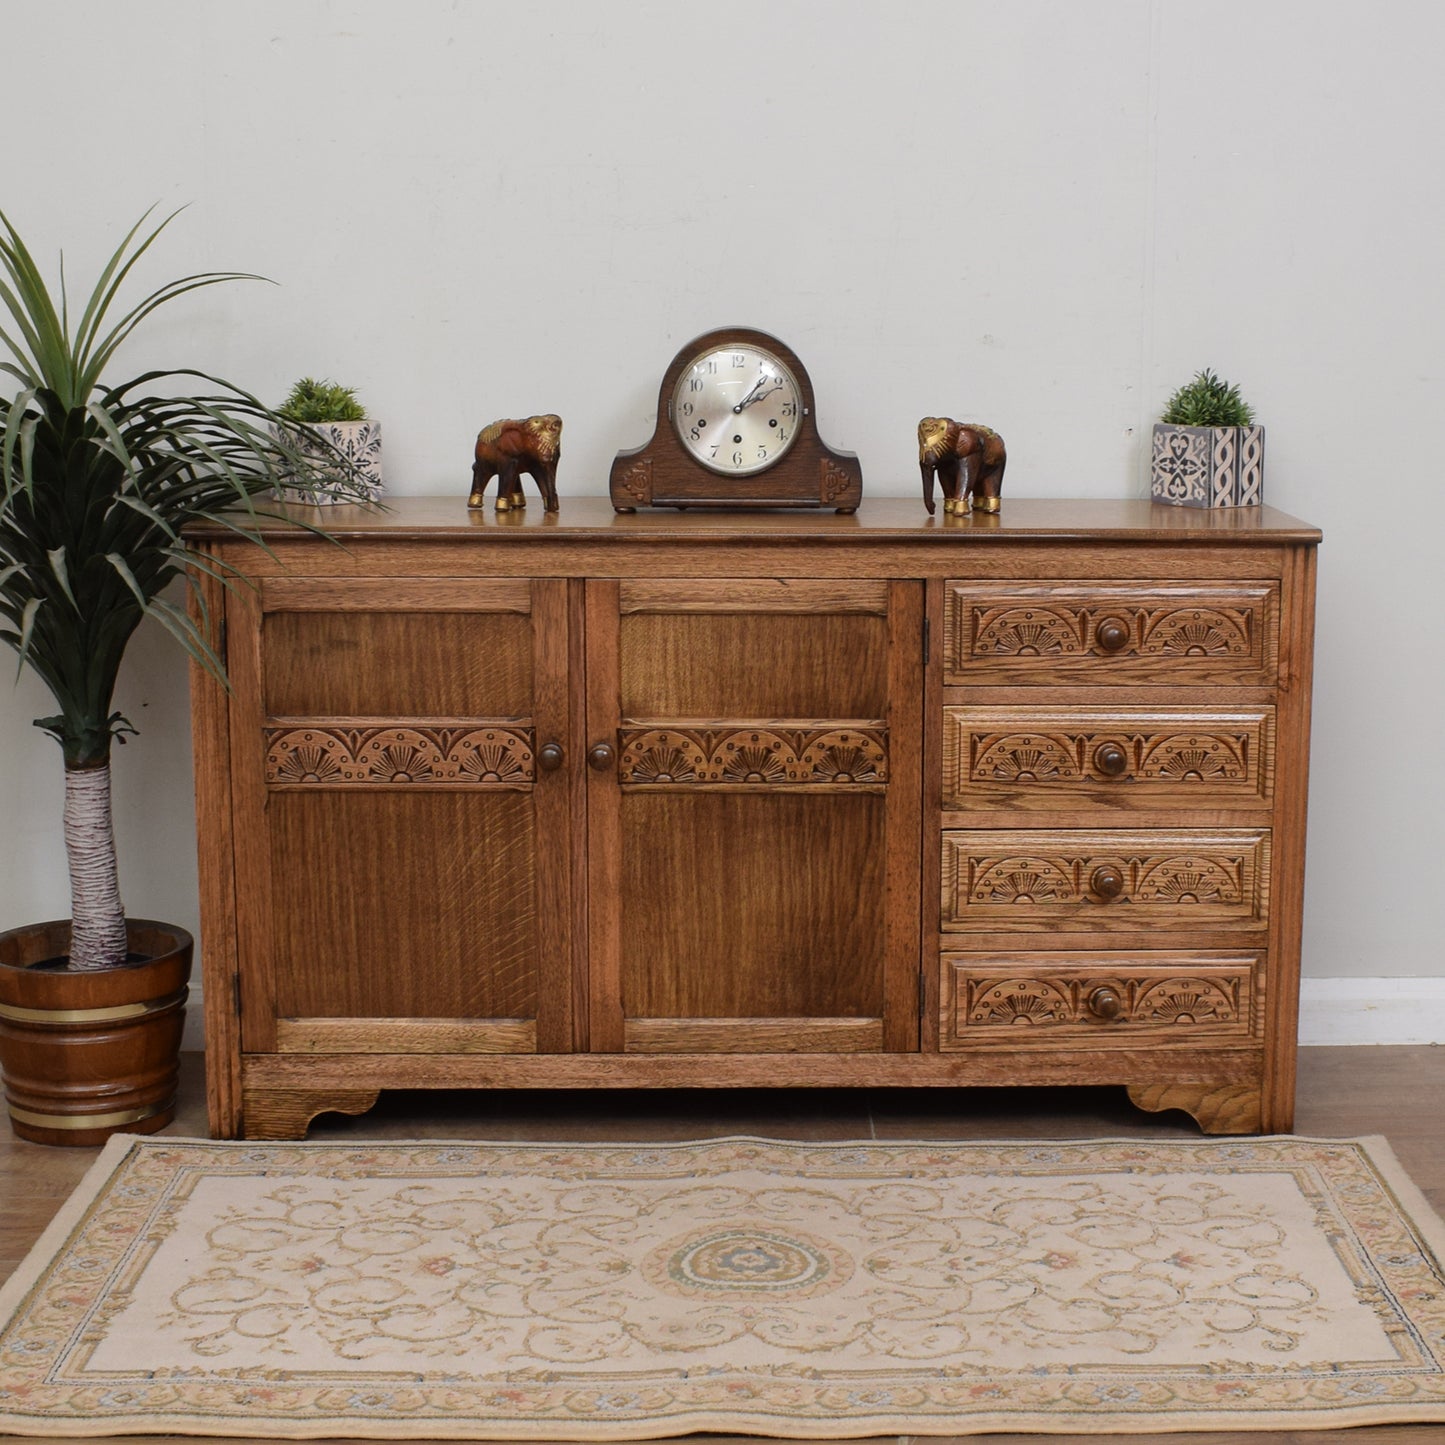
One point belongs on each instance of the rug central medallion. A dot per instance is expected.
(748, 1260)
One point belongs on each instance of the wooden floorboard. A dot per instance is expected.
(1397, 1092)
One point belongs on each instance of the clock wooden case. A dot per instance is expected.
(774, 456)
(704, 799)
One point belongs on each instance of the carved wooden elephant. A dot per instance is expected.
(968, 459)
(506, 449)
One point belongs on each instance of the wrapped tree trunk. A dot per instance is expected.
(98, 919)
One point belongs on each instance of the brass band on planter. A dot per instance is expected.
(90, 1015)
(88, 1121)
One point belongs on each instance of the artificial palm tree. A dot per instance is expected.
(99, 479)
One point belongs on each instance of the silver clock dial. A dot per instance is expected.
(737, 410)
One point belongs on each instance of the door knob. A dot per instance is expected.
(1105, 1003)
(1112, 634)
(1107, 881)
(600, 756)
(550, 757)
(1111, 760)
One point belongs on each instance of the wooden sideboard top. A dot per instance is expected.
(880, 520)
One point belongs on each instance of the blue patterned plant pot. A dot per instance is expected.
(1208, 466)
(358, 441)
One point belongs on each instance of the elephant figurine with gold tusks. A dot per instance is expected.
(968, 459)
(506, 449)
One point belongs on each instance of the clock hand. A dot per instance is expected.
(756, 395)
(751, 397)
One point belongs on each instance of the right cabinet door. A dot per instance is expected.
(753, 806)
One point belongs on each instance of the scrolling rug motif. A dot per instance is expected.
(608, 1291)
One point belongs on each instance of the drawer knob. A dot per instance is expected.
(1104, 1003)
(1111, 760)
(1112, 634)
(1106, 881)
(550, 757)
(600, 756)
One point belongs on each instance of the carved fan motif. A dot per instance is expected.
(307, 757)
(1186, 1001)
(760, 757)
(1188, 880)
(492, 756)
(1198, 632)
(1020, 1001)
(845, 756)
(1026, 632)
(1024, 758)
(400, 755)
(663, 756)
(1196, 759)
(1022, 880)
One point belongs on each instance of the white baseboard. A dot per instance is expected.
(1372, 1011)
(1332, 1011)
(193, 1038)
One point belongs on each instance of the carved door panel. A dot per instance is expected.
(403, 812)
(753, 815)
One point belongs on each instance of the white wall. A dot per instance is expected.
(1046, 215)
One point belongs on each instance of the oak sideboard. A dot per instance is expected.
(697, 799)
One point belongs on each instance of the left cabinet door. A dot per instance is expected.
(401, 798)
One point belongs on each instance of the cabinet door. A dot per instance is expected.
(753, 815)
(403, 859)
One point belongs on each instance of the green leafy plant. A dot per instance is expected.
(321, 401)
(99, 477)
(1208, 401)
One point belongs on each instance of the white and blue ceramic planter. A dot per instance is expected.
(359, 442)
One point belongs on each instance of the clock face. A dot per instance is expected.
(737, 409)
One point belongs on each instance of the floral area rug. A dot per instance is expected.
(621, 1291)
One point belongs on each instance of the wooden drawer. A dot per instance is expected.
(1170, 633)
(1042, 759)
(1099, 1000)
(1006, 880)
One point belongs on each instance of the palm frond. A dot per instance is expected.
(98, 479)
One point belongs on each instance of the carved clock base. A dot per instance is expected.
(1216, 1108)
(286, 1113)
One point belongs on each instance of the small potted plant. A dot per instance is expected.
(97, 479)
(331, 426)
(1207, 450)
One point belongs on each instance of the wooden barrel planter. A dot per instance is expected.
(87, 1055)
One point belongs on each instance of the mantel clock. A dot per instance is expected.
(736, 427)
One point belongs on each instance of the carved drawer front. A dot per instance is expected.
(1081, 632)
(1005, 880)
(1100, 1000)
(1056, 758)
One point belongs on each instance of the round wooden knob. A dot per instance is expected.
(1111, 760)
(550, 757)
(1106, 881)
(1112, 634)
(600, 756)
(1104, 1003)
